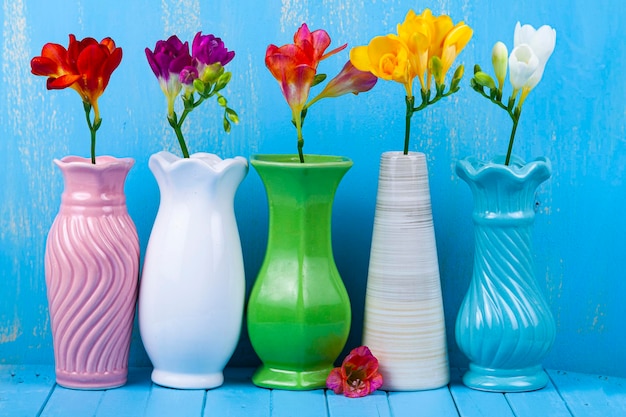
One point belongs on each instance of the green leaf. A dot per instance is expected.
(477, 68)
(226, 125)
(318, 79)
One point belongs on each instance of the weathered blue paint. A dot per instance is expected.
(575, 117)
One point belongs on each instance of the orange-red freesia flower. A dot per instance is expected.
(295, 65)
(86, 66)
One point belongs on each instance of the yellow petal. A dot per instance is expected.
(360, 58)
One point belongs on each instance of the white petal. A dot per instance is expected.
(522, 65)
(543, 43)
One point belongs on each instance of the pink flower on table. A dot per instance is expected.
(358, 375)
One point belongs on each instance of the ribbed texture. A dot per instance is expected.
(404, 322)
(504, 323)
(92, 265)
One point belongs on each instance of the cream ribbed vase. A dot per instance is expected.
(404, 323)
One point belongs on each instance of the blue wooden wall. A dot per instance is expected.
(575, 117)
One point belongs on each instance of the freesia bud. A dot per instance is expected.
(349, 80)
(212, 72)
(436, 68)
(458, 73)
(499, 59)
(485, 80)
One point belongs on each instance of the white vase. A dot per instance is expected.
(193, 285)
(404, 323)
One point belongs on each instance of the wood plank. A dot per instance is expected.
(374, 405)
(167, 402)
(238, 397)
(68, 402)
(535, 403)
(131, 399)
(432, 403)
(591, 395)
(300, 403)
(24, 389)
(473, 403)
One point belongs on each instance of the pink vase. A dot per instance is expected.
(92, 268)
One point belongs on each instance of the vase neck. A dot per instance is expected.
(300, 204)
(94, 189)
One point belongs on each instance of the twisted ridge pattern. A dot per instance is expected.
(504, 321)
(92, 266)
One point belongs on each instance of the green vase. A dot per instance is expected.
(299, 310)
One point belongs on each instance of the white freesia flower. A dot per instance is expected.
(523, 64)
(541, 41)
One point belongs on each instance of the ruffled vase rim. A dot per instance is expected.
(102, 162)
(474, 168)
(170, 162)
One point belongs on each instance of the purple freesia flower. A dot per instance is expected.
(168, 60)
(200, 72)
(207, 50)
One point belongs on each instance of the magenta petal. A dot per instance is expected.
(376, 382)
(334, 381)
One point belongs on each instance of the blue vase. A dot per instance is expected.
(504, 326)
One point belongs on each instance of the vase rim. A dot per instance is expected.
(401, 154)
(293, 160)
(209, 160)
(474, 167)
(102, 162)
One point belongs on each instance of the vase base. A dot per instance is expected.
(287, 379)
(91, 380)
(183, 380)
(505, 380)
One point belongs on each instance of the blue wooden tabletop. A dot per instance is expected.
(30, 391)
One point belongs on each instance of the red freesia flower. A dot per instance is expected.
(295, 68)
(86, 66)
(358, 375)
(295, 65)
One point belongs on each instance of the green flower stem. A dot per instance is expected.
(93, 128)
(181, 139)
(512, 138)
(513, 111)
(177, 124)
(300, 146)
(410, 109)
(426, 101)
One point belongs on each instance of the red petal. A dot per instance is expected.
(334, 381)
(44, 66)
(62, 82)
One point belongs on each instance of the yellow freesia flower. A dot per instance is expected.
(453, 44)
(425, 47)
(386, 57)
(416, 33)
